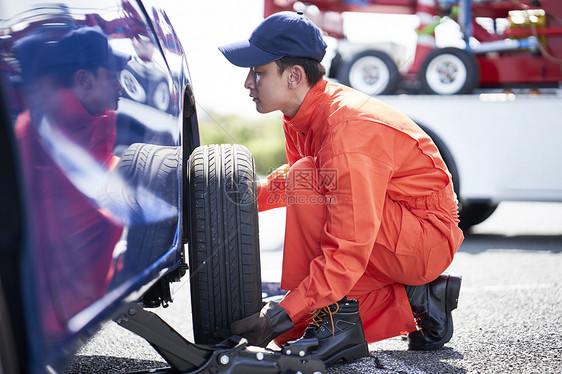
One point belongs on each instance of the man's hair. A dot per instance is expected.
(313, 69)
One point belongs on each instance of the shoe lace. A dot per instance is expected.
(317, 317)
(418, 317)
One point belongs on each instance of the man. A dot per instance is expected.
(67, 138)
(370, 206)
(75, 86)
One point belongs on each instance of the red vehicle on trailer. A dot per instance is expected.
(508, 44)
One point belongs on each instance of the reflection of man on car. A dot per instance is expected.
(77, 87)
(67, 137)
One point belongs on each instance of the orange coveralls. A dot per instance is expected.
(370, 207)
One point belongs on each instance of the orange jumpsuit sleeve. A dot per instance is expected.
(348, 237)
(271, 191)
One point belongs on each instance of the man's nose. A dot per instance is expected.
(249, 83)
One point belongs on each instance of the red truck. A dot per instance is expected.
(508, 44)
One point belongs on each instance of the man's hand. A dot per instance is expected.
(262, 327)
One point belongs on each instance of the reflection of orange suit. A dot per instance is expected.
(76, 238)
(370, 207)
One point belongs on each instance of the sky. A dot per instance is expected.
(203, 25)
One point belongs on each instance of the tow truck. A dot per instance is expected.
(506, 44)
(492, 107)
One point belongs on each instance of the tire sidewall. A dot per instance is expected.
(160, 97)
(454, 57)
(376, 60)
(132, 86)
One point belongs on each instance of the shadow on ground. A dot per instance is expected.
(403, 361)
(478, 243)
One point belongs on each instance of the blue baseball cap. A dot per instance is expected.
(283, 34)
(41, 53)
(87, 45)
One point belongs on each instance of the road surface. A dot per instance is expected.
(509, 318)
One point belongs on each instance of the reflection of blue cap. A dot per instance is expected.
(39, 54)
(32, 51)
(85, 46)
(281, 34)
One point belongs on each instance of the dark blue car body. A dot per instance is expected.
(81, 235)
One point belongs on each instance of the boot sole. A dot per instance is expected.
(453, 288)
(349, 354)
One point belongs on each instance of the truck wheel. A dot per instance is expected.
(449, 71)
(223, 247)
(132, 86)
(472, 213)
(371, 72)
(161, 96)
(475, 213)
(8, 357)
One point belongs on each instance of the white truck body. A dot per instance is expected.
(504, 146)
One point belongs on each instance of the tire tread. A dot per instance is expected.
(224, 253)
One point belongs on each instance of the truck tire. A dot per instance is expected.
(161, 96)
(132, 87)
(8, 357)
(474, 213)
(371, 72)
(446, 155)
(449, 71)
(224, 256)
(470, 213)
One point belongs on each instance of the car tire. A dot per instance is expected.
(371, 72)
(224, 256)
(153, 171)
(8, 357)
(449, 71)
(153, 168)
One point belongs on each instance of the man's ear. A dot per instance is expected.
(297, 76)
(83, 78)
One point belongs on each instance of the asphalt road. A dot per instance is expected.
(509, 318)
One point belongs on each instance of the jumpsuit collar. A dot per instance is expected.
(303, 119)
(69, 110)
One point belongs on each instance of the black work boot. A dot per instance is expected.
(432, 304)
(339, 331)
